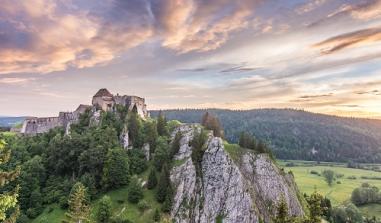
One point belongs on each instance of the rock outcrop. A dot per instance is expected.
(245, 189)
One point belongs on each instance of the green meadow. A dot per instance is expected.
(346, 181)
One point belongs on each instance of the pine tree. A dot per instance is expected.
(281, 212)
(78, 211)
(104, 210)
(175, 146)
(211, 122)
(161, 154)
(135, 130)
(162, 125)
(8, 200)
(152, 179)
(156, 216)
(135, 190)
(314, 205)
(167, 205)
(163, 184)
(116, 169)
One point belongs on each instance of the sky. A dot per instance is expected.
(318, 55)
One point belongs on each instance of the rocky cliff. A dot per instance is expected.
(244, 189)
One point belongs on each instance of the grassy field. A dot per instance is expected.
(341, 190)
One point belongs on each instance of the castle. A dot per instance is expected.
(103, 100)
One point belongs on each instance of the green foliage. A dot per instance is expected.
(162, 129)
(211, 122)
(315, 207)
(247, 141)
(116, 169)
(175, 146)
(163, 184)
(137, 159)
(135, 190)
(152, 179)
(346, 214)
(161, 154)
(156, 216)
(198, 148)
(292, 133)
(8, 199)
(135, 130)
(329, 176)
(366, 194)
(104, 210)
(151, 135)
(78, 210)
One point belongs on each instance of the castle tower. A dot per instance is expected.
(104, 100)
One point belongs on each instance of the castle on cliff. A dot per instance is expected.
(103, 100)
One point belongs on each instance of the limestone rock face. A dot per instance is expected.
(243, 190)
(124, 139)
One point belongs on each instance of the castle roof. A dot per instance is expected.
(103, 92)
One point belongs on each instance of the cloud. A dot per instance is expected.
(200, 25)
(14, 80)
(366, 10)
(309, 6)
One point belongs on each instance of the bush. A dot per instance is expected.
(329, 176)
(314, 172)
(143, 206)
(135, 191)
(352, 177)
(338, 182)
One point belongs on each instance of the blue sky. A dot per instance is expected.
(318, 55)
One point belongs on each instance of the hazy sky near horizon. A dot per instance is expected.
(318, 55)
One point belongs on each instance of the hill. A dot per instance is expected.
(10, 121)
(296, 134)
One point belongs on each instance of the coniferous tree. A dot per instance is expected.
(8, 200)
(104, 210)
(162, 125)
(135, 190)
(167, 205)
(152, 179)
(151, 135)
(116, 169)
(162, 186)
(211, 122)
(156, 215)
(78, 211)
(135, 129)
(175, 146)
(161, 154)
(314, 205)
(281, 212)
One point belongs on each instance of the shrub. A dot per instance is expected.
(143, 206)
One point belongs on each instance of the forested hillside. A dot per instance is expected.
(296, 134)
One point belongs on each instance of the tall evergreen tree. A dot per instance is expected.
(175, 146)
(8, 199)
(162, 186)
(135, 130)
(161, 154)
(152, 179)
(162, 125)
(135, 190)
(116, 169)
(211, 122)
(104, 210)
(151, 135)
(78, 211)
(281, 212)
(314, 205)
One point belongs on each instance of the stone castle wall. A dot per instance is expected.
(34, 125)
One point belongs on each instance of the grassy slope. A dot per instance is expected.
(338, 193)
(120, 207)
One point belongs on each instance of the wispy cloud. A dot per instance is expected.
(348, 40)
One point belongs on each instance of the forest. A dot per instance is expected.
(297, 134)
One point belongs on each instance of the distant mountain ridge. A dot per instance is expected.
(297, 134)
(6, 121)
